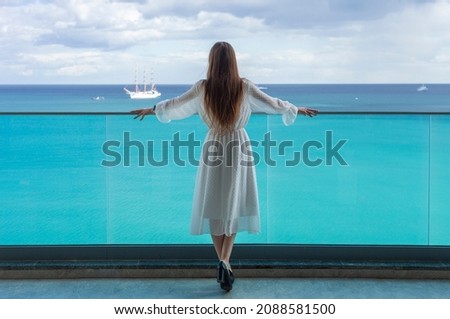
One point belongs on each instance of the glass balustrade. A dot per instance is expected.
(337, 179)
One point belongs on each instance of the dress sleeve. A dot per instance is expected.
(181, 106)
(261, 102)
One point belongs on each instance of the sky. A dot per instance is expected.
(282, 41)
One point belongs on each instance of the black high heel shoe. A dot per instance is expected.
(221, 272)
(231, 276)
(227, 279)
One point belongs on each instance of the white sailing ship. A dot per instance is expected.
(145, 93)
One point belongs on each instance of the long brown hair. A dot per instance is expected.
(223, 88)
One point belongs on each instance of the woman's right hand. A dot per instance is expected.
(142, 113)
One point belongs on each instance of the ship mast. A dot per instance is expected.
(151, 79)
(136, 86)
(145, 85)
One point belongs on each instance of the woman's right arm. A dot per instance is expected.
(306, 111)
(143, 112)
(181, 106)
(176, 108)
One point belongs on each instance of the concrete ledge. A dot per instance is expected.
(207, 269)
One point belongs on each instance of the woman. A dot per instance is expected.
(225, 196)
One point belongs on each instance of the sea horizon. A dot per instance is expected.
(103, 98)
(259, 83)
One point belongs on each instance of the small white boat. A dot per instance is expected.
(144, 94)
(98, 98)
(422, 88)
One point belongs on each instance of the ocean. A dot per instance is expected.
(325, 97)
(372, 171)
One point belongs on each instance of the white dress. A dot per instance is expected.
(226, 194)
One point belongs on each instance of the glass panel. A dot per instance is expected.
(151, 177)
(77, 179)
(52, 189)
(380, 196)
(150, 203)
(440, 180)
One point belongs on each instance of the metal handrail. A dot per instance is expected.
(320, 113)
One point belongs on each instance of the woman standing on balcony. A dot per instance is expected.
(225, 195)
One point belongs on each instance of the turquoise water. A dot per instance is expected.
(393, 190)
(325, 97)
(387, 185)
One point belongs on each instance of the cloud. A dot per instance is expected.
(122, 24)
(72, 64)
(96, 24)
(406, 42)
(299, 14)
(283, 41)
(117, 25)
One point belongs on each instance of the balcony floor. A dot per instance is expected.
(253, 288)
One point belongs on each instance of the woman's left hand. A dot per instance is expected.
(142, 113)
(307, 111)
